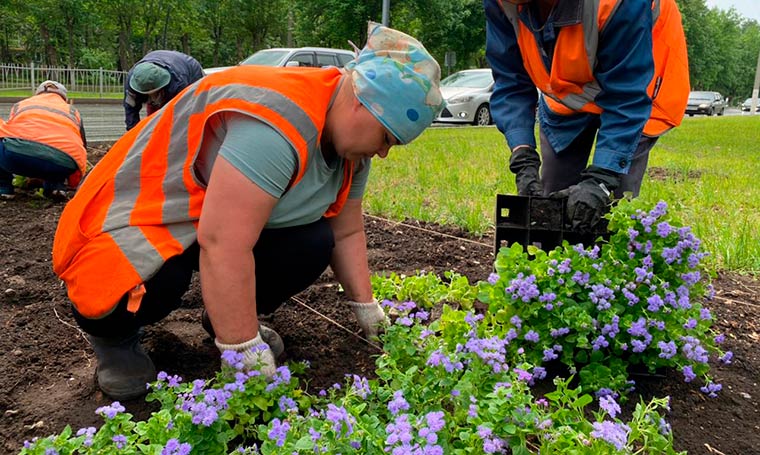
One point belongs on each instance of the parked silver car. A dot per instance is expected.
(467, 95)
(300, 56)
(747, 105)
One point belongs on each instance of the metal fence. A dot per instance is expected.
(100, 81)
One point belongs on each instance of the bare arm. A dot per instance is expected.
(235, 211)
(349, 259)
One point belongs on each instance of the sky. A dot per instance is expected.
(747, 8)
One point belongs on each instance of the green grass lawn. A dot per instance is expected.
(23, 93)
(707, 170)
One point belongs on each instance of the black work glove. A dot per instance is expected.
(590, 199)
(524, 163)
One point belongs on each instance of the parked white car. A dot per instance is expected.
(467, 95)
(302, 56)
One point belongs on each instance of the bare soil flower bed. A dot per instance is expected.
(48, 368)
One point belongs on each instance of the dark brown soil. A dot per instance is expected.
(48, 366)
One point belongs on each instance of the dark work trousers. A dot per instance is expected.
(53, 174)
(288, 260)
(559, 171)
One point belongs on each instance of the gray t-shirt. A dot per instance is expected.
(268, 160)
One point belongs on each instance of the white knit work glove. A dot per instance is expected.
(256, 354)
(371, 317)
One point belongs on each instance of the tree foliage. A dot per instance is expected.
(113, 34)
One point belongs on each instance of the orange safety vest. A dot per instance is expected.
(48, 119)
(141, 204)
(571, 87)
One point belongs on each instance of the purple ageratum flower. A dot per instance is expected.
(523, 288)
(279, 431)
(438, 358)
(726, 358)
(719, 339)
(659, 325)
(688, 374)
(655, 302)
(564, 266)
(711, 389)
(398, 403)
(174, 447)
(549, 355)
(522, 375)
(338, 416)
(638, 328)
(705, 314)
(601, 295)
(399, 431)
(110, 411)
(693, 350)
(120, 440)
(556, 333)
(667, 350)
(287, 404)
(532, 336)
(491, 444)
(281, 376)
(516, 321)
(51, 451)
(659, 210)
(547, 297)
(315, 435)
(539, 373)
(581, 278)
(599, 343)
(632, 234)
(671, 255)
(631, 297)
(361, 386)
(609, 405)
(493, 278)
(664, 229)
(691, 278)
(614, 433)
(612, 329)
(88, 433)
(690, 324)
(233, 359)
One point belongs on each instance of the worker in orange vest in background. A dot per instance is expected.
(608, 70)
(253, 176)
(43, 138)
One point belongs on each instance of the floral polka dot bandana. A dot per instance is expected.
(398, 81)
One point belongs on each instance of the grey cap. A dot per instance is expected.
(53, 87)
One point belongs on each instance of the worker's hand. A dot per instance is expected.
(524, 163)
(371, 318)
(257, 355)
(590, 199)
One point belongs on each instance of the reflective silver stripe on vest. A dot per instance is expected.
(590, 90)
(175, 209)
(655, 11)
(71, 115)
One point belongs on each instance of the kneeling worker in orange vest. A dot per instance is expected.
(255, 177)
(608, 70)
(43, 138)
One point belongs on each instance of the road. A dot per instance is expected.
(103, 122)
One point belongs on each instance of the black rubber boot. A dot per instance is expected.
(124, 369)
(269, 336)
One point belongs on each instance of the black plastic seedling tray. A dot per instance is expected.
(537, 221)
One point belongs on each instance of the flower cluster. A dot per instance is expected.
(634, 299)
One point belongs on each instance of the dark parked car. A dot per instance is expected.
(707, 103)
(747, 104)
